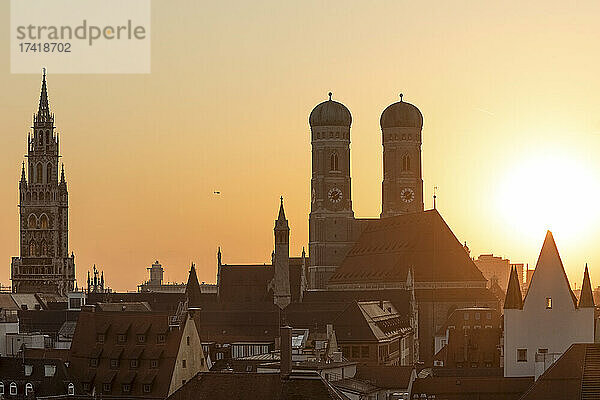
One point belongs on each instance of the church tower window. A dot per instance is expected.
(48, 173)
(334, 162)
(406, 162)
(44, 221)
(39, 174)
(32, 222)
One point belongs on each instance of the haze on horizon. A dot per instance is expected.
(509, 92)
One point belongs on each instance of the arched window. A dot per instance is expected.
(31, 174)
(1, 387)
(42, 196)
(47, 137)
(44, 221)
(71, 389)
(48, 173)
(28, 388)
(34, 196)
(44, 248)
(32, 248)
(406, 162)
(13, 389)
(334, 162)
(39, 171)
(28, 197)
(32, 221)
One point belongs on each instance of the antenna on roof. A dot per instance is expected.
(435, 188)
(330, 94)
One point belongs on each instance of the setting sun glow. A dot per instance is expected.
(540, 193)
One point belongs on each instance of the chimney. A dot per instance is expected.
(286, 351)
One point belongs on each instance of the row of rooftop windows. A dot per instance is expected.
(395, 136)
(140, 338)
(34, 197)
(13, 389)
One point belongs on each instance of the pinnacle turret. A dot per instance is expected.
(513, 300)
(587, 297)
(23, 173)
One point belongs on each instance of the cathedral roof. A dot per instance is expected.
(401, 115)
(513, 299)
(330, 113)
(389, 247)
(587, 298)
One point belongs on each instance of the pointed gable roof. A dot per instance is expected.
(549, 264)
(192, 289)
(389, 247)
(513, 300)
(587, 298)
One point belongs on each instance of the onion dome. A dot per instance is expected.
(401, 115)
(330, 113)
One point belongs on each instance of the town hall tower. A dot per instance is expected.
(44, 264)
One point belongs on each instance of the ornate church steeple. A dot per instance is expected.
(44, 264)
(281, 260)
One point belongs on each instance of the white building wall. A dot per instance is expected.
(537, 327)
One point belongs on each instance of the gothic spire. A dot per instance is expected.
(281, 223)
(43, 113)
(62, 173)
(587, 298)
(192, 289)
(513, 300)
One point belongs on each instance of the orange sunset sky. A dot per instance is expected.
(510, 93)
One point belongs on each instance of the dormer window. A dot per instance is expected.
(548, 303)
(141, 338)
(28, 370)
(100, 338)
(160, 338)
(122, 338)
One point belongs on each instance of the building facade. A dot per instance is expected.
(44, 264)
(542, 326)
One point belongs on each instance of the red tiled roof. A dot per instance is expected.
(242, 386)
(389, 247)
(86, 347)
(574, 375)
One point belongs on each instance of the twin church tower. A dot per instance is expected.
(333, 230)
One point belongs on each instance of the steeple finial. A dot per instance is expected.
(330, 94)
(23, 172)
(43, 113)
(401, 96)
(62, 172)
(435, 188)
(281, 216)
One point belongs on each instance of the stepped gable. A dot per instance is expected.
(575, 375)
(389, 247)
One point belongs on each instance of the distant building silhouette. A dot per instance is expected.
(44, 264)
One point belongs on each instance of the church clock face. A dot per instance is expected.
(407, 195)
(334, 195)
